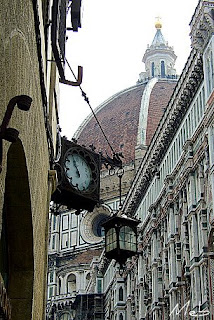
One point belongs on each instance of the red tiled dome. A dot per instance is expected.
(119, 118)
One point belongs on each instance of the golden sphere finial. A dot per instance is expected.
(158, 24)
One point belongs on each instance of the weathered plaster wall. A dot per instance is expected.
(20, 75)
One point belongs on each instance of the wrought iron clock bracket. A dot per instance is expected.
(111, 163)
(78, 78)
(23, 103)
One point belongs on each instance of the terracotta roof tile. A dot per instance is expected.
(119, 118)
(85, 257)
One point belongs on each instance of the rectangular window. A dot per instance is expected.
(73, 236)
(174, 154)
(197, 191)
(65, 221)
(209, 84)
(51, 276)
(192, 121)
(182, 137)
(177, 149)
(99, 286)
(198, 110)
(179, 143)
(73, 221)
(53, 242)
(200, 105)
(203, 98)
(184, 133)
(64, 243)
(194, 117)
(189, 126)
(54, 222)
(50, 292)
(187, 131)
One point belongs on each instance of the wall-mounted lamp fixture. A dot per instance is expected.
(23, 102)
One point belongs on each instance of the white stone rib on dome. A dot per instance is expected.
(142, 125)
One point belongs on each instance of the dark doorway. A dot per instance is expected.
(17, 235)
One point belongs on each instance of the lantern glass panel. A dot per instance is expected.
(127, 239)
(111, 240)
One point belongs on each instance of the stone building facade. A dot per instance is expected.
(171, 277)
(169, 186)
(27, 180)
(78, 281)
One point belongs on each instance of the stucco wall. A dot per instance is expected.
(20, 75)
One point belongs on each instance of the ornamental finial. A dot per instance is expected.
(158, 24)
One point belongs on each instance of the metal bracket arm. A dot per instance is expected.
(78, 79)
(10, 134)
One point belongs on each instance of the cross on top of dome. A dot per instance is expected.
(158, 39)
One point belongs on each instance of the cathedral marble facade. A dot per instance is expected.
(170, 190)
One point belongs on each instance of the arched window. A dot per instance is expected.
(163, 73)
(153, 69)
(121, 294)
(71, 283)
(121, 316)
(65, 316)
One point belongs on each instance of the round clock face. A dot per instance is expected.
(77, 171)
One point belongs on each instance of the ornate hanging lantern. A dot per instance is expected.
(120, 238)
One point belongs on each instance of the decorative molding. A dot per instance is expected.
(202, 25)
(142, 125)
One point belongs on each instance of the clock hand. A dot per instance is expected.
(75, 165)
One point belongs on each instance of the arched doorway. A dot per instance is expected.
(17, 235)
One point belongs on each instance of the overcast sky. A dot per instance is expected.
(110, 46)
